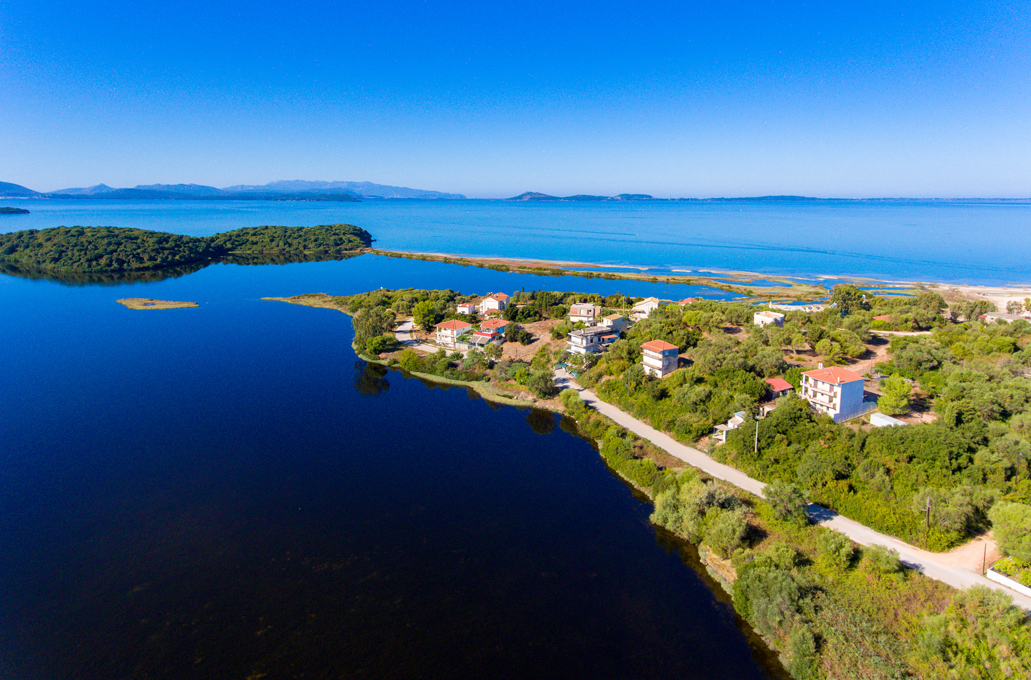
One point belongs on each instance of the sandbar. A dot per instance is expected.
(148, 303)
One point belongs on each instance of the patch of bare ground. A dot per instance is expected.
(541, 330)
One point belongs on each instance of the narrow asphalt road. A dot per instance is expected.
(930, 564)
(403, 334)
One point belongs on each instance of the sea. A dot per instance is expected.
(230, 492)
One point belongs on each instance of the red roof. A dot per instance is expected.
(687, 301)
(497, 296)
(779, 384)
(494, 323)
(658, 346)
(454, 324)
(834, 374)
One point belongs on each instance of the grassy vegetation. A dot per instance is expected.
(92, 250)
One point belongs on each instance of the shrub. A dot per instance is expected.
(1012, 523)
(725, 530)
(834, 550)
(787, 500)
(880, 560)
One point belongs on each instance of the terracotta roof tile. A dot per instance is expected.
(834, 374)
(658, 345)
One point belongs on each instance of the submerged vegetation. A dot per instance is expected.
(94, 250)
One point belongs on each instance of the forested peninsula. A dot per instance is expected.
(65, 251)
(13, 211)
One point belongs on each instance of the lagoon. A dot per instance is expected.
(227, 491)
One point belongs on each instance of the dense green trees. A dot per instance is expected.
(112, 249)
(1012, 523)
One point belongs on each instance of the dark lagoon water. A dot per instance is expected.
(227, 492)
(954, 241)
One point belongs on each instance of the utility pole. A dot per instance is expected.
(927, 520)
(757, 435)
(984, 560)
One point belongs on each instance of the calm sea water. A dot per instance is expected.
(227, 492)
(956, 241)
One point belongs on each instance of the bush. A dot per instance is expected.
(834, 550)
(571, 401)
(725, 530)
(787, 500)
(1012, 523)
(880, 560)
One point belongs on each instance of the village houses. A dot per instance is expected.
(590, 340)
(643, 308)
(660, 358)
(836, 391)
(765, 318)
(585, 312)
(449, 332)
(494, 301)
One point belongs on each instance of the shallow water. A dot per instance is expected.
(958, 241)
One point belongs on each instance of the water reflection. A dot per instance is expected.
(541, 421)
(370, 379)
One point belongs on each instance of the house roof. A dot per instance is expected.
(497, 296)
(779, 384)
(494, 323)
(834, 374)
(687, 301)
(454, 324)
(585, 305)
(612, 317)
(646, 301)
(772, 315)
(658, 345)
(467, 304)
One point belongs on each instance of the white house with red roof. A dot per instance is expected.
(496, 301)
(466, 308)
(449, 332)
(660, 358)
(836, 391)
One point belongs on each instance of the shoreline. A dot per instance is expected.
(731, 280)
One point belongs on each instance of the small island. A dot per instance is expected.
(13, 211)
(150, 303)
(60, 251)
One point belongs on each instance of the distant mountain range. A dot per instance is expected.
(535, 196)
(290, 190)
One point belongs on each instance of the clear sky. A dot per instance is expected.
(492, 99)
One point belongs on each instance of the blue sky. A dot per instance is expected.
(492, 99)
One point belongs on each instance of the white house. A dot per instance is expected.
(614, 322)
(720, 431)
(496, 301)
(466, 308)
(660, 358)
(590, 340)
(449, 332)
(643, 308)
(586, 312)
(835, 391)
(765, 318)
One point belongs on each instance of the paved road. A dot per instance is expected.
(931, 564)
(403, 334)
